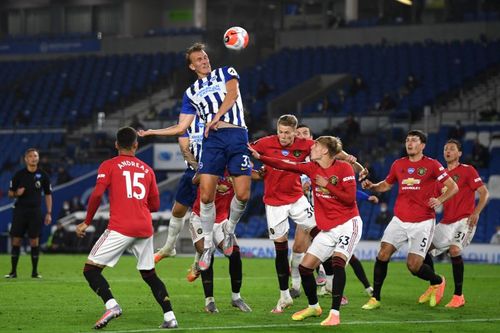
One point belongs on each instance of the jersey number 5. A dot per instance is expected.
(131, 185)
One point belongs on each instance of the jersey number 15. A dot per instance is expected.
(132, 183)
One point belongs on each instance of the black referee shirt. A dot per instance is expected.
(34, 183)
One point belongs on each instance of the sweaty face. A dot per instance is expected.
(413, 145)
(286, 135)
(304, 133)
(451, 152)
(200, 63)
(31, 159)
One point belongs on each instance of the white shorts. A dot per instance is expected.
(197, 232)
(342, 238)
(301, 212)
(111, 245)
(458, 233)
(419, 235)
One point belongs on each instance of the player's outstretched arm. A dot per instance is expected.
(382, 186)
(180, 128)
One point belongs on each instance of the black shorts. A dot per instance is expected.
(26, 220)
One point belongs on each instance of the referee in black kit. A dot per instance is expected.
(27, 186)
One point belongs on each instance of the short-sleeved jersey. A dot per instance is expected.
(34, 183)
(329, 211)
(130, 182)
(417, 184)
(462, 204)
(195, 134)
(282, 187)
(223, 196)
(205, 96)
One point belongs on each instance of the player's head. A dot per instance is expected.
(126, 139)
(452, 151)
(328, 146)
(415, 142)
(31, 157)
(197, 60)
(304, 132)
(286, 128)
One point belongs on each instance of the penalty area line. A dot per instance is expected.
(377, 322)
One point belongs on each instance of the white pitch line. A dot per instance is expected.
(380, 322)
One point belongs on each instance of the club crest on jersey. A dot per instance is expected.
(421, 171)
(456, 178)
(411, 170)
(297, 153)
(285, 152)
(333, 180)
(38, 184)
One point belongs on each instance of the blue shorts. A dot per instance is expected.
(225, 148)
(186, 191)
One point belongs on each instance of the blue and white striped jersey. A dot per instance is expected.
(195, 133)
(204, 97)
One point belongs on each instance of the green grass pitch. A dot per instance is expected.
(63, 302)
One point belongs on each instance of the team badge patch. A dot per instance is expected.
(333, 180)
(285, 152)
(421, 171)
(297, 153)
(411, 170)
(456, 178)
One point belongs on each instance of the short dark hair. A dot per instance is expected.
(126, 137)
(421, 135)
(303, 126)
(456, 142)
(29, 150)
(196, 47)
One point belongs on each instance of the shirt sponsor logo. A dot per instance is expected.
(345, 179)
(410, 181)
(101, 175)
(411, 170)
(421, 171)
(285, 152)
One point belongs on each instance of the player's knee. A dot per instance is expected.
(454, 251)
(299, 247)
(147, 273)
(243, 196)
(413, 267)
(206, 198)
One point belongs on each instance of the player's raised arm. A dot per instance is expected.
(178, 129)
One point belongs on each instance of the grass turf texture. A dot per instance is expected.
(63, 302)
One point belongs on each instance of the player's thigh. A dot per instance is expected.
(109, 248)
(195, 228)
(302, 240)
(219, 232)
(347, 236)
(143, 250)
(395, 233)
(322, 246)
(213, 159)
(277, 221)
(457, 234)
(186, 192)
(34, 218)
(20, 223)
(242, 185)
(302, 213)
(442, 238)
(420, 237)
(238, 162)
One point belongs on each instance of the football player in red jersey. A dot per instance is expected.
(223, 197)
(133, 195)
(284, 198)
(458, 225)
(337, 218)
(414, 215)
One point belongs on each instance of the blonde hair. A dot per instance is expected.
(332, 143)
(288, 120)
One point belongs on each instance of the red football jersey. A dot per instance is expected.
(417, 184)
(223, 196)
(462, 204)
(335, 204)
(282, 187)
(130, 182)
